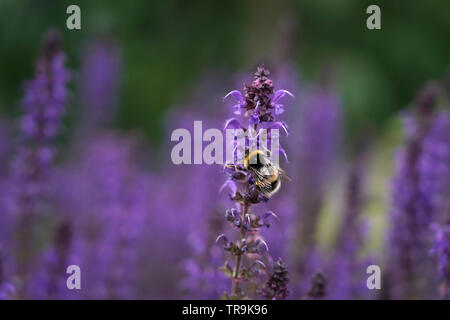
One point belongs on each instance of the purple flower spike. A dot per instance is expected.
(276, 286)
(441, 249)
(416, 203)
(100, 80)
(245, 182)
(45, 96)
(259, 101)
(44, 105)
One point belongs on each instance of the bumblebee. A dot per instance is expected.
(266, 174)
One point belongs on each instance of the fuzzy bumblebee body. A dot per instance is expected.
(266, 174)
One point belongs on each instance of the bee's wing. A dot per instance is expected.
(283, 175)
(263, 183)
(265, 187)
(257, 175)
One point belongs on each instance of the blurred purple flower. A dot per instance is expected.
(48, 280)
(346, 268)
(100, 80)
(7, 291)
(319, 284)
(194, 216)
(314, 152)
(442, 250)
(109, 196)
(44, 107)
(203, 278)
(434, 163)
(276, 286)
(410, 267)
(434, 168)
(45, 95)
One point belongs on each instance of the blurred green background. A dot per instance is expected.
(166, 45)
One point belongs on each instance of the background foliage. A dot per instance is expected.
(168, 44)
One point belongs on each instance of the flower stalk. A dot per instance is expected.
(251, 181)
(235, 283)
(44, 107)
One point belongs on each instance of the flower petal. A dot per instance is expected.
(280, 125)
(280, 94)
(233, 123)
(222, 237)
(235, 94)
(254, 119)
(269, 214)
(237, 109)
(259, 263)
(264, 244)
(256, 108)
(283, 152)
(279, 109)
(230, 184)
